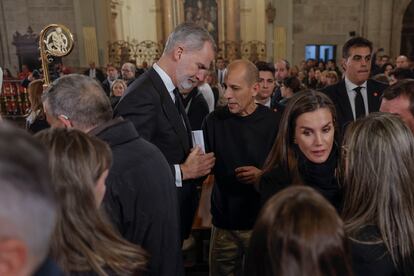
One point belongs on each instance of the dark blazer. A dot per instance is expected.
(106, 87)
(339, 96)
(100, 76)
(140, 196)
(148, 105)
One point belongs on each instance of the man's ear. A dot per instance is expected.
(13, 257)
(255, 89)
(178, 51)
(343, 63)
(63, 119)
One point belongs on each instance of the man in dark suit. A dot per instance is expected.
(153, 105)
(94, 72)
(282, 71)
(128, 72)
(112, 75)
(356, 95)
(220, 70)
(140, 195)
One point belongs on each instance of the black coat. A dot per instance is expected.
(148, 105)
(140, 196)
(339, 96)
(373, 258)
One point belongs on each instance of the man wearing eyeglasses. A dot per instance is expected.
(356, 95)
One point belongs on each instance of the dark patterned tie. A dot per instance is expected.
(179, 105)
(359, 103)
(178, 102)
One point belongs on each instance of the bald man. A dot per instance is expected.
(402, 62)
(240, 135)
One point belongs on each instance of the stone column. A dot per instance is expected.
(168, 18)
(232, 8)
(270, 17)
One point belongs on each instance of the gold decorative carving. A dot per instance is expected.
(252, 50)
(54, 41)
(147, 50)
(124, 51)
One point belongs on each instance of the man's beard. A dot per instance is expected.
(187, 84)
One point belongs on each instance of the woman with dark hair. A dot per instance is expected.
(290, 86)
(36, 120)
(83, 243)
(305, 149)
(311, 81)
(379, 195)
(386, 69)
(298, 233)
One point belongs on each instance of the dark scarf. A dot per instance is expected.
(321, 176)
(186, 100)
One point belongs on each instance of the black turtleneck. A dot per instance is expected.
(321, 177)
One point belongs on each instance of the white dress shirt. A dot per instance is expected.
(352, 94)
(208, 95)
(92, 73)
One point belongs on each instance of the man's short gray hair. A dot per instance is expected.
(81, 99)
(189, 34)
(130, 66)
(27, 204)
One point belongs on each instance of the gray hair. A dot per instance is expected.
(80, 98)
(189, 34)
(130, 66)
(27, 204)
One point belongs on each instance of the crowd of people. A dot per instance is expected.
(312, 164)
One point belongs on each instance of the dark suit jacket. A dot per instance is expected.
(100, 76)
(106, 87)
(339, 96)
(148, 105)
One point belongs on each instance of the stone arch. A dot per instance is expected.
(407, 32)
(398, 11)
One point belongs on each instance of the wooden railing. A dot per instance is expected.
(14, 101)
